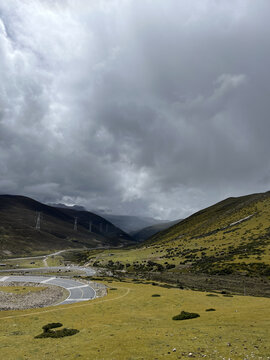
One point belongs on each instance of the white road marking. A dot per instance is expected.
(76, 287)
(77, 300)
(47, 280)
(4, 278)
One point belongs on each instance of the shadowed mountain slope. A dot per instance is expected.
(130, 223)
(18, 233)
(149, 231)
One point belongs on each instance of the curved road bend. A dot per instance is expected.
(78, 291)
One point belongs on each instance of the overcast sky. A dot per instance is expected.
(145, 107)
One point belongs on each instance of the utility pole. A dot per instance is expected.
(90, 226)
(107, 227)
(75, 224)
(38, 221)
(100, 227)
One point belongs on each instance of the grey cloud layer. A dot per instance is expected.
(145, 107)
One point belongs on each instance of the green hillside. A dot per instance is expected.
(230, 237)
(18, 235)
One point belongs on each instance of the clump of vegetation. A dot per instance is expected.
(211, 309)
(212, 295)
(113, 288)
(155, 295)
(227, 295)
(51, 326)
(184, 315)
(49, 333)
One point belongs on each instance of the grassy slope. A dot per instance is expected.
(206, 242)
(131, 324)
(32, 263)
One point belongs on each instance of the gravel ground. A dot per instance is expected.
(49, 296)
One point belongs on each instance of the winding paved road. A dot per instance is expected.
(78, 291)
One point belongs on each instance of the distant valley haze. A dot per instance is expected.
(152, 109)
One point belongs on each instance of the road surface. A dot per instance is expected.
(78, 291)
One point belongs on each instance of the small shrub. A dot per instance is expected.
(155, 295)
(211, 295)
(227, 295)
(113, 288)
(49, 333)
(211, 309)
(57, 333)
(51, 326)
(184, 315)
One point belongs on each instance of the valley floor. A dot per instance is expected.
(132, 324)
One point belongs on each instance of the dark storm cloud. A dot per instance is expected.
(144, 107)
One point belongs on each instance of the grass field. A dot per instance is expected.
(130, 323)
(55, 261)
(33, 263)
(23, 263)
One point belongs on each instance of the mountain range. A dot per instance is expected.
(132, 223)
(230, 237)
(28, 226)
(147, 232)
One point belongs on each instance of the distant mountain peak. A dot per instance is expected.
(65, 206)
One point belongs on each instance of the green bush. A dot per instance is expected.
(49, 333)
(211, 295)
(211, 309)
(51, 326)
(184, 315)
(155, 295)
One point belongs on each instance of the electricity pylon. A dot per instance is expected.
(38, 221)
(75, 224)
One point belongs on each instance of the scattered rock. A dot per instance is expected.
(49, 296)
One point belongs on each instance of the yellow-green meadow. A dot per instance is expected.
(130, 323)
